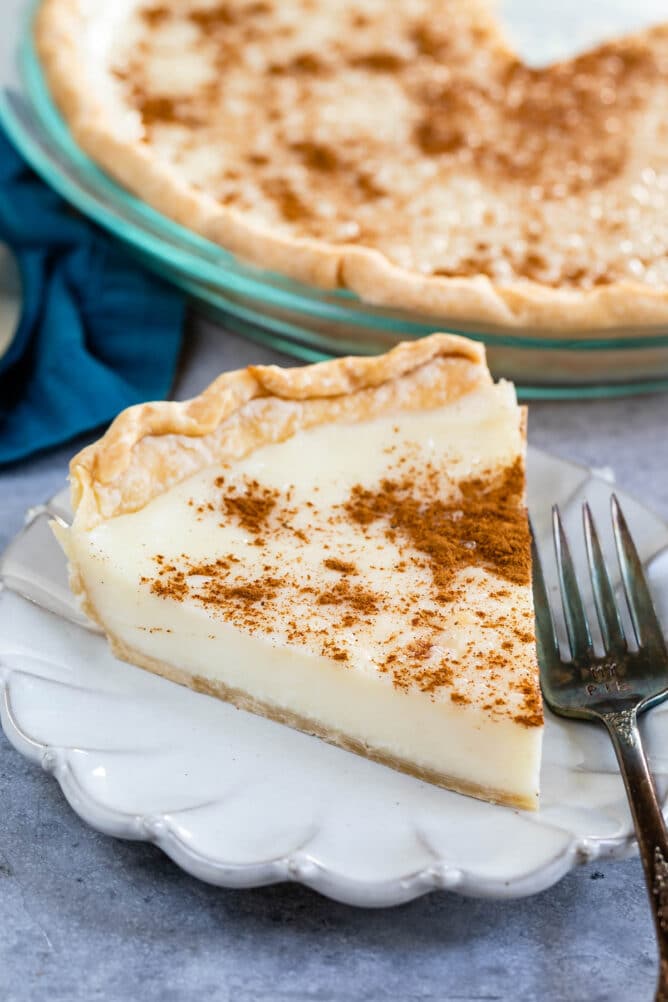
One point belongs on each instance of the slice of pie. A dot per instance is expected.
(342, 547)
(401, 150)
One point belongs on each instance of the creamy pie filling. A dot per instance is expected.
(369, 580)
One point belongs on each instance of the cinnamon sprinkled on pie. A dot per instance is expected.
(251, 505)
(439, 129)
(485, 526)
(343, 566)
(354, 597)
(155, 16)
(446, 528)
(532, 125)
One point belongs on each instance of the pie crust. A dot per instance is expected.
(150, 447)
(600, 266)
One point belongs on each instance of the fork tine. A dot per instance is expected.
(643, 615)
(546, 638)
(577, 626)
(604, 597)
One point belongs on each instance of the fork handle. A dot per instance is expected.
(649, 825)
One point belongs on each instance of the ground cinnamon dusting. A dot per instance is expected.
(291, 205)
(155, 16)
(558, 110)
(251, 506)
(440, 527)
(379, 62)
(160, 108)
(484, 526)
(355, 597)
(304, 64)
(342, 566)
(224, 15)
(317, 156)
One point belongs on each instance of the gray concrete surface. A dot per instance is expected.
(84, 917)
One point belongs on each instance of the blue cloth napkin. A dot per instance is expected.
(96, 334)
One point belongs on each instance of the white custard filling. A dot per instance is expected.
(477, 734)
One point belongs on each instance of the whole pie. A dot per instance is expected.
(342, 548)
(401, 150)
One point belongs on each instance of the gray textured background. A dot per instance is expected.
(86, 917)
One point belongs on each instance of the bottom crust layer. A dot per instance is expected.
(243, 701)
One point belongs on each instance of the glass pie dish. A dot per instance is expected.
(304, 321)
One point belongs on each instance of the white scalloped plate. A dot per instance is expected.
(240, 801)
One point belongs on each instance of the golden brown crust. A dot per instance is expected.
(151, 446)
(362, 269)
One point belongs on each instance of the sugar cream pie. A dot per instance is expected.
(342, 547)
(399, 149)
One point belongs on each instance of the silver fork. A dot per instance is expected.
(629, 677)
